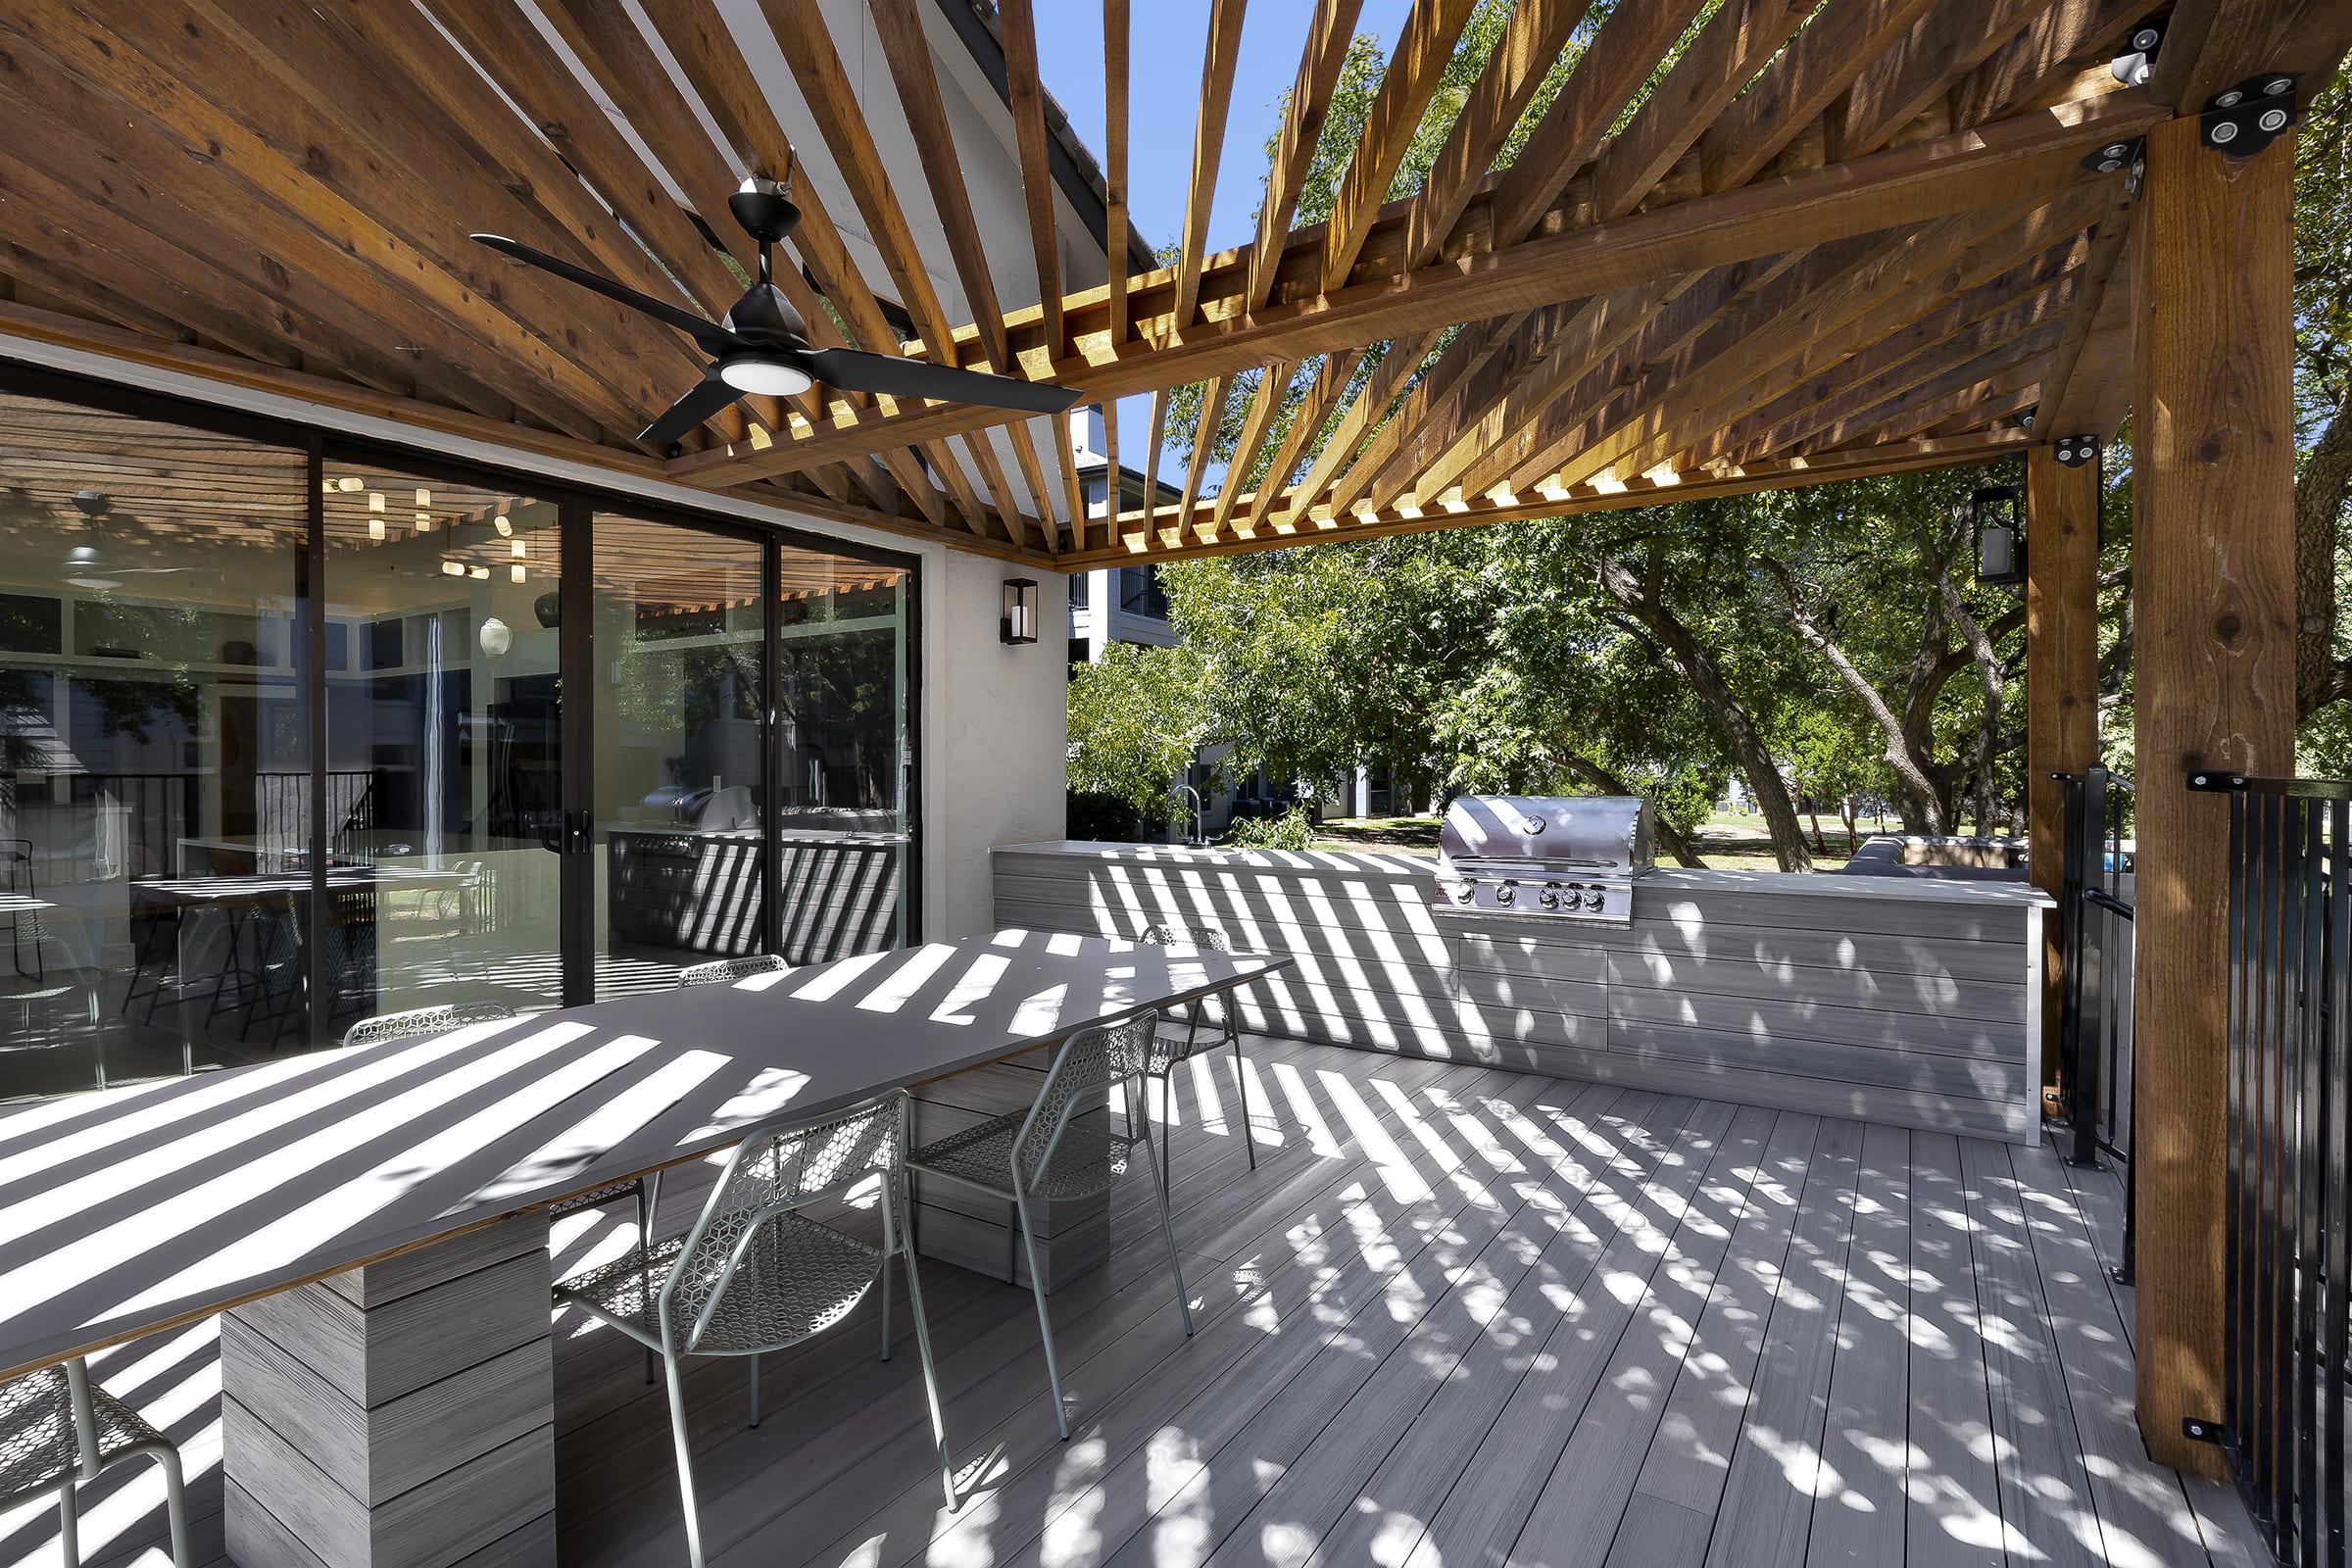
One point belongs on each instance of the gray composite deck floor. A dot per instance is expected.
(1456, 1316)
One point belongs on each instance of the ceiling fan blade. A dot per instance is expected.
(852, 371)
(703, 399)
(713, 339)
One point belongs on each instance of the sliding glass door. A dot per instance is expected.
(445, 744)
(296, 731)
(678, 834)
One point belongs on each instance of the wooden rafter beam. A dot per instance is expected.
(1220, 56)
(1176, 539)
(2033, 156)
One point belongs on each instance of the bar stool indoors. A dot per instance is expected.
(1179, 1038)
(755, 1274)
(1039, 1155)
(58, 1429)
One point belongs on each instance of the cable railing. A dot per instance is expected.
(2284, 1421)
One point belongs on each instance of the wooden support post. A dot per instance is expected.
(2213, 597)
(2062, 678)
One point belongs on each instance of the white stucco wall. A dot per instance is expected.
(996, 725)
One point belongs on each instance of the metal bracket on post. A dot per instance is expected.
(2196, 1429)
(2215, 781)
(2130, 154)
(2074, 451)
(2242, 120)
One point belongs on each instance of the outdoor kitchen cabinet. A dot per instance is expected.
(1910, 1002)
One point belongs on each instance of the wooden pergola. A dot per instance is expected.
(1834, 239)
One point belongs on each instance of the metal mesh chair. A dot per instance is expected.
(1180, 1038)
(721, 970)
(1038, 1155)
(755, 1274)
(423, 1021)
(57, 1428)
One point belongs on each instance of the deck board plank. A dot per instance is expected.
(1457, 1315)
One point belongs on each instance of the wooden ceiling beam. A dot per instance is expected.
(1424, 45)
(1877, 300)
(274, 237)
(1329, 33)
(1177, 541)
(1204, 440)
(134, 351)
(1531, 44)
(2039, 53)
(1026, 96)
(1272, 380)
(1829, 52)
(1736, 43)
(1114, 174)
(1999, 165)
(1220, 55)
(1918, 70)
(2001, 308)
(1620, 57)
(1402, 359)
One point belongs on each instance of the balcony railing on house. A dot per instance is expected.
(2096, 972)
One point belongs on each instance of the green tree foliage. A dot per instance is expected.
(1136, 719)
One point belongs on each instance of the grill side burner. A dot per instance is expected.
(1543, 858)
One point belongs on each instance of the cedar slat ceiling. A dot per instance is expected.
(1834, 239)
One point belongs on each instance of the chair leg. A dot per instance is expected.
(755, 1388)
(1013, 1226)
(887, 1248)
(645, 1247)
(1168, 1230)
(69, 1526)
(1241, 1088)
(678, 1429)
(922, 1344)
(176, 1505)
(1045, 1320)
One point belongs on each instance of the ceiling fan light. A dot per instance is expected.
(763, 377)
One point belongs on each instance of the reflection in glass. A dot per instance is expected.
(844, 831)
(444, 781)
(155, 812)
(678, 726)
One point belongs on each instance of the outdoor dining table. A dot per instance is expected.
(372, 1222)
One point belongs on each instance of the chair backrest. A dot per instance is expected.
(1092, 1058)
(1187, 936)
(779, 1167)
(423, 1021)
(720, 971)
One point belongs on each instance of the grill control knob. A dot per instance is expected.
(1465, 893)
(1506, 893)
(1593, 900)
(1552, 896)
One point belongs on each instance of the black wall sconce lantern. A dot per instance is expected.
(1020, 611)
(2000, 536)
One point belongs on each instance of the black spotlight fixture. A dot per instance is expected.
(2000, 536)
(2137, 57)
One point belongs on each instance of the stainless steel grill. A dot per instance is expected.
(1543, 858)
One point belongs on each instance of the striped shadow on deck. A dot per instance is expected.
(1459, 1315)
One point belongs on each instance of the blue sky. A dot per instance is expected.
(1166, 39)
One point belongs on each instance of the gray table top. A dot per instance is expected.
(140, 1209)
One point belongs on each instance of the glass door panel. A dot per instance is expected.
(154, 771)
(678, 776)
(844, 829)
(444, 782)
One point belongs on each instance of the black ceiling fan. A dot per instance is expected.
(762, 345)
